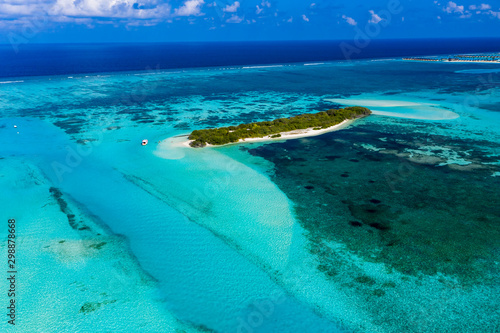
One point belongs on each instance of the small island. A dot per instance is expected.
(478, 58)
(274, 129)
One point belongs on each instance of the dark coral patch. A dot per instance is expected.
(378, 292)
(379, 226)
(98, 246)
(329, 271)
(365, 280)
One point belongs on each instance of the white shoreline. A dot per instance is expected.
(476, 61)
(295, 134)
(441, 60)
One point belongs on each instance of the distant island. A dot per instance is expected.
(276, 128)
(481, 58)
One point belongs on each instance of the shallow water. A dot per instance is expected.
(355, 230)
(400, 109)
(198, 278)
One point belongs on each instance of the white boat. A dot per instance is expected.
(144, 142)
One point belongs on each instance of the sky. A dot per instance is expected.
(45, 21)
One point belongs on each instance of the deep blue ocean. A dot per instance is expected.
(60, 59)
(390, 224)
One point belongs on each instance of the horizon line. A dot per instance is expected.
(260, 40)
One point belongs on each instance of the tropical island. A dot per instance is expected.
(482, 58)
(275, 128)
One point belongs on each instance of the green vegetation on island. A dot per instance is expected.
(320, 120)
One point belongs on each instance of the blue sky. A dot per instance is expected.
(206, 20)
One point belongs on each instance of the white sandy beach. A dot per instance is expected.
(295, 134)
(173, 148)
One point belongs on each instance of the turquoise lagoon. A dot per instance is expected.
(390, 225)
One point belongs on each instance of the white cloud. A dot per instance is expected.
(479, 8)
(349, 20)
(375, 18)
(452, 7)
(482, 9)
(54, 10)
(494, 14)
(234, 19)
(26, 2)
(232, 8)
(7, 9)
(190, 7)
(305, 18)
(262, 6)
(290, 20)
(91, 12)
